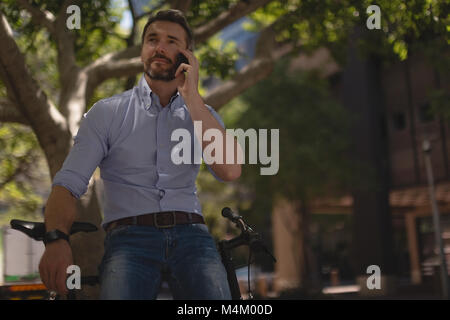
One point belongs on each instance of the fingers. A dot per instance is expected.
(53, 268)
(61, 279)
(49, 275)
(47, 279)
(44, 274)
(182, 67)
(189, 55)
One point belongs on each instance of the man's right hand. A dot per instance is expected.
(53, 266)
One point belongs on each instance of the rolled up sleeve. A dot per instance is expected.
(89, 149)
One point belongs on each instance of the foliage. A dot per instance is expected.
(19, 170)
(313, 134)
(405, 25)
(440, 103)
(313, 143)
(99, 19)
(217, 58)
(203, 11)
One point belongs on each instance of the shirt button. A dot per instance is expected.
(161, 193)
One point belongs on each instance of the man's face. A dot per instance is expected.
(162, 41)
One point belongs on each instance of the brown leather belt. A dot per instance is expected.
(167, 219)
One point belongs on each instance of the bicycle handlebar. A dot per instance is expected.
(36, 230)
(247, 236)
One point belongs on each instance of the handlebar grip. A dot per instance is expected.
(229, 214)
(36, 230)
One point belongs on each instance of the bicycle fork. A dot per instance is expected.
(227, 261)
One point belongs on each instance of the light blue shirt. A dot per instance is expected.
(128, 136)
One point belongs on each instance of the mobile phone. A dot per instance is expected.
(181, 58)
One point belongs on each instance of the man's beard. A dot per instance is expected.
(164, 75)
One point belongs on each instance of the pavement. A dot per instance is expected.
(350, 291)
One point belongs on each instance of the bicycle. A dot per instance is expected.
(36, 231)
(248, 237)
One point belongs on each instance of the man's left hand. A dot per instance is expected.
(187, 75)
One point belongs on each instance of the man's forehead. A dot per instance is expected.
(166, 28)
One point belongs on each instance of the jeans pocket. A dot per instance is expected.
(201, 227)
(122, 229)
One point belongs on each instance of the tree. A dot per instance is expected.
(313, 143)
(18, 155)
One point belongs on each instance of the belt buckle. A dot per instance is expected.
(155, 221)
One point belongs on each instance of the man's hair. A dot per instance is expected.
(175, 16)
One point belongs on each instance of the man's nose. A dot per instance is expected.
(161, 48)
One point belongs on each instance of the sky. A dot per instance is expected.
(126, 21)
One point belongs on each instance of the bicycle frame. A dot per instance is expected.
(249, 238)
(225, 247)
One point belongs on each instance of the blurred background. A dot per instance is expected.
(354, 93)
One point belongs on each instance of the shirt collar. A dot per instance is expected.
(146, 95)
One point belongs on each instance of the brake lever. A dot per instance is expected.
(257, 244)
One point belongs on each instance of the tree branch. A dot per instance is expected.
(130, 42)
(40, 17)
(182, 5)
(48, 124)
(111, 69)
(100, 73)
(24, 164)
(266, 53)
(125, 63)
(65, 40)
(69, 72)
(239, 10)
(10, 113)
(257, 70)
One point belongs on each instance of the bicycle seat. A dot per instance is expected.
(36, 230)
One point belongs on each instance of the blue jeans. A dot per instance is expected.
(137, 257)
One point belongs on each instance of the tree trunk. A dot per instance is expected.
(287, 245)
(309, 273)
(296, 265)
(372, 234)
(88, 247)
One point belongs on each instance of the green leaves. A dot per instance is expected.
(330, 23)
(217, 59)
(21, 170)
(313, 133)
(440, 103)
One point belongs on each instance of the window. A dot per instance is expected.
(399, 120)
(425, 114)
